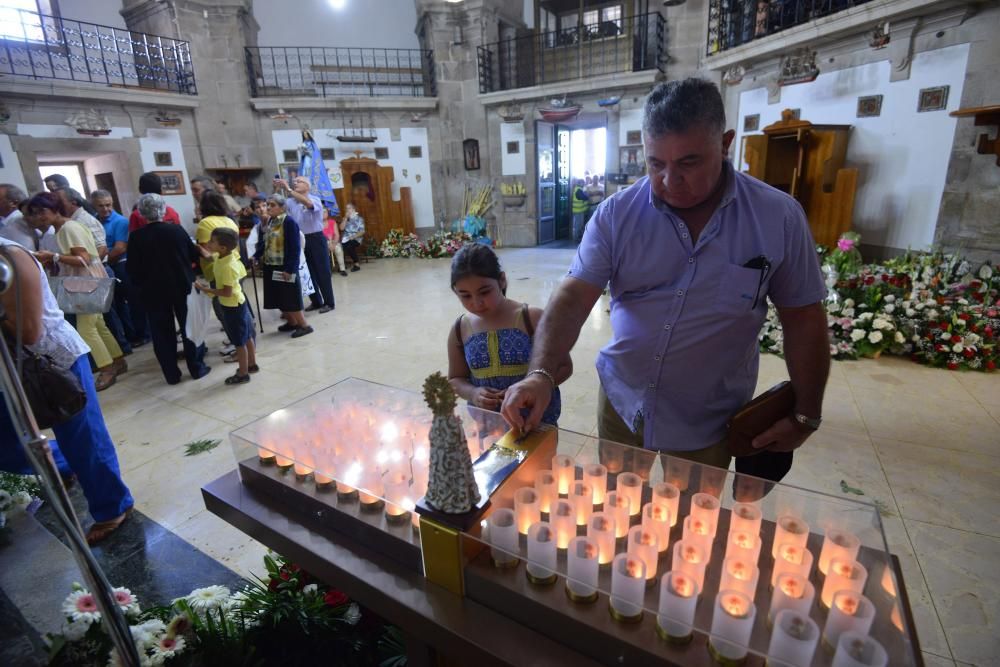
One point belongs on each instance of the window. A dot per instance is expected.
(591, 17)
(19, 20)
(612, 14)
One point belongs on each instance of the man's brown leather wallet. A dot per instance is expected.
(757, 416)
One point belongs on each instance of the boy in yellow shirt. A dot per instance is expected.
(228, 270)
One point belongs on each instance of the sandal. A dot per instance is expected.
(238, 379)
(253, 369)
(119, 366)
(230, 358)
(102, 529)
(104, 380)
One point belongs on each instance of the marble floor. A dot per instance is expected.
(923, 442)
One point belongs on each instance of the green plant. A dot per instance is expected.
(200, 446)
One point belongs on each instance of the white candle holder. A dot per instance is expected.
(838, 544)
(630, 485)
(851, 611)
(581, 495)
(746, 518)
(677, 471)
(844, 575)
(541, 566)
(656, 518)
(563, 520)
(732, 624)
(302, 472)
(700, 531)
(564, 468)
(690, 558)
(855, 649)
(502, 533)
(739, 575)
(628, 588)
(526, 508)
(322, 481)
(582, 568)
(706, 507)
(793, 640)
(283, 462)
(668, 495)
(642, 544)
(793, 559)
(743, 544)
(596, 475)
(370, 495)
(791, 591)
(397, 489)
(601, 531)
(678, 599)
(616, 506)
(547, 487)
(789, 530)
(265, 456)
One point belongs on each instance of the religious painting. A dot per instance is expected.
(326, 154)
(173, 182)
(513, 147)
(470, 150)
(381, 153)
(632, 161)
(164, 159)
(933, 99)
(751, 122)
(633, 137)
(416, 151)
(869, 106)
(290, 155)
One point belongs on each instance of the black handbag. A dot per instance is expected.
(54, 394)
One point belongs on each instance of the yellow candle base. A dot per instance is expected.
(506, 564)
(323, 483)
(373, 505)
(397, 518)
(670, 639)
(541, 581)
(622, 618)
(266, 460)
(581, 599)
(302, 477)
(722, 660)
(346, 494)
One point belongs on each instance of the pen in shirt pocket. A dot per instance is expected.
(761, 263)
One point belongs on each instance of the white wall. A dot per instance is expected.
(629, 120)
(361, 23)
(512, 164)
(10, 172)
(117, 164)
(158, 141)
(417, 174)
(902, 156)
(101, 12)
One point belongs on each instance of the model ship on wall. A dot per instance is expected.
(89, 122)
(798, 68)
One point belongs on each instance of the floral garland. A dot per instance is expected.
(936, 308)
(441, 244)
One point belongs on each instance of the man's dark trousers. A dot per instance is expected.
(163, 313)
(318, 261)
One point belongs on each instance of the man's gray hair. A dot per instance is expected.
(678, 106)
(100, 194)
(152, 207)
(277, 198)
(73, 196)
(12, 193)
(207, 182)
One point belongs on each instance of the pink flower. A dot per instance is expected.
(845, 244)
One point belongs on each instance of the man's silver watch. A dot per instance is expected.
(811, 423)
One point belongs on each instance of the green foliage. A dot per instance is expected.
(200, 446)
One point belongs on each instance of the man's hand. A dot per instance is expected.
(533, 392)
(784, 435)
(44, 256)
(281, 183)
(486, 398)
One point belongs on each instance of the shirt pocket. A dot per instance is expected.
(738, 289)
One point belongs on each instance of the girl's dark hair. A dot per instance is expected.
(212, 203)
(476, 259)
(45, 200)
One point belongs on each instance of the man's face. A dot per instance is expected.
(301, 185)
(684, 167)
(6, 207)
(105, 207)
(67, 202)
(249, 191)
(52, 185)
(260, 208)
(196, 191)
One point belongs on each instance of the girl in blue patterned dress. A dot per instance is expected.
(489, 347)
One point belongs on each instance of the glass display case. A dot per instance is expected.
(625, 555)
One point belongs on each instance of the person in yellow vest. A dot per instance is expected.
(581, 202)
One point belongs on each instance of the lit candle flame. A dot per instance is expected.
(734, 606)
(739, 571)
(633, 568)
(682, 586)
(691, 555)
(790, 587)
(848, 604)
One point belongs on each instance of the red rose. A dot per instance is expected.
(944, 326)
(988, 332)
(956, 339)
(975, 328)
(952, 366)
(968, 353)
(885, 277)
(869, 280)
(963, 316)
(939, 347)
(334, 598)
(990, 365)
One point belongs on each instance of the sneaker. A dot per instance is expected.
(343, 273)
(325, 309)
(230, 359)
(302, 331)
(285, 328)
(355, 268)
(253, 369)
(227, 349)
(313, 307)
(238, 379)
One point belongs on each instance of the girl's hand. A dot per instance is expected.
(487, 399)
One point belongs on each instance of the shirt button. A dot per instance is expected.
(666, 327)
(680, 292)
(684, 236)
(656, 358)
(690, 260)
(652, 385)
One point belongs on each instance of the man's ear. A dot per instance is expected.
(727, 141)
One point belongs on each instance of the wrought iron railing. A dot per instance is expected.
(735, 22)
(51, 47)
(628, 44)
(277, 71)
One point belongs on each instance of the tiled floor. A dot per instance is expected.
(922, 441)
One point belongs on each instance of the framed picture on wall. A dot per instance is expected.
(933, 99)
(164, 159)
(869, 106)
(633, 137)
(751, 122)
(289, 170)
(632, 161)
(173, 182)
(470, 149)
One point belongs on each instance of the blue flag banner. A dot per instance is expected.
(312, 167)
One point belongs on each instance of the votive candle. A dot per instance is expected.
(547, 487)
(302, 471)
(282, 462)
(642, 544)
(705, 506)
(732, 624)
(789, 530)
(746, 518)
(838, 544)
(321, 480)
(743, 545)
(581, 495)
(678, 599)
(668, 495)
(792, 558)
(265, 456)
(791, 591)
(601, 531)
(630, 485)
(526, 502)
(656, 518)
(596, 475)
(616, 506)
(739, 575)
(698, 529)
(345, 490)
(855, 649)
(397, 488)
(503, 537)
(844, 575)
(677, 472)
(582, 568)
(850, 611)
(563, 520)
(690, 558)
(793, 640)
(564, 468)
(541, 566)
(628, 585)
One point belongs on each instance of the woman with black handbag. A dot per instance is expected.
(82, 446)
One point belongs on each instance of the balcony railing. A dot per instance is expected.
(278, 71)
(735, 22)
(51, 47)
(628, 44)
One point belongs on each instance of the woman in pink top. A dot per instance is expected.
(332, 233)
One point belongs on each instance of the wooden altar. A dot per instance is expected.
(368, 186)
(807, 162)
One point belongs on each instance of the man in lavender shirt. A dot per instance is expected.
(307, 210)
(690, 254)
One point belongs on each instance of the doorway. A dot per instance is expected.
(72, 171)
(567, 154)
